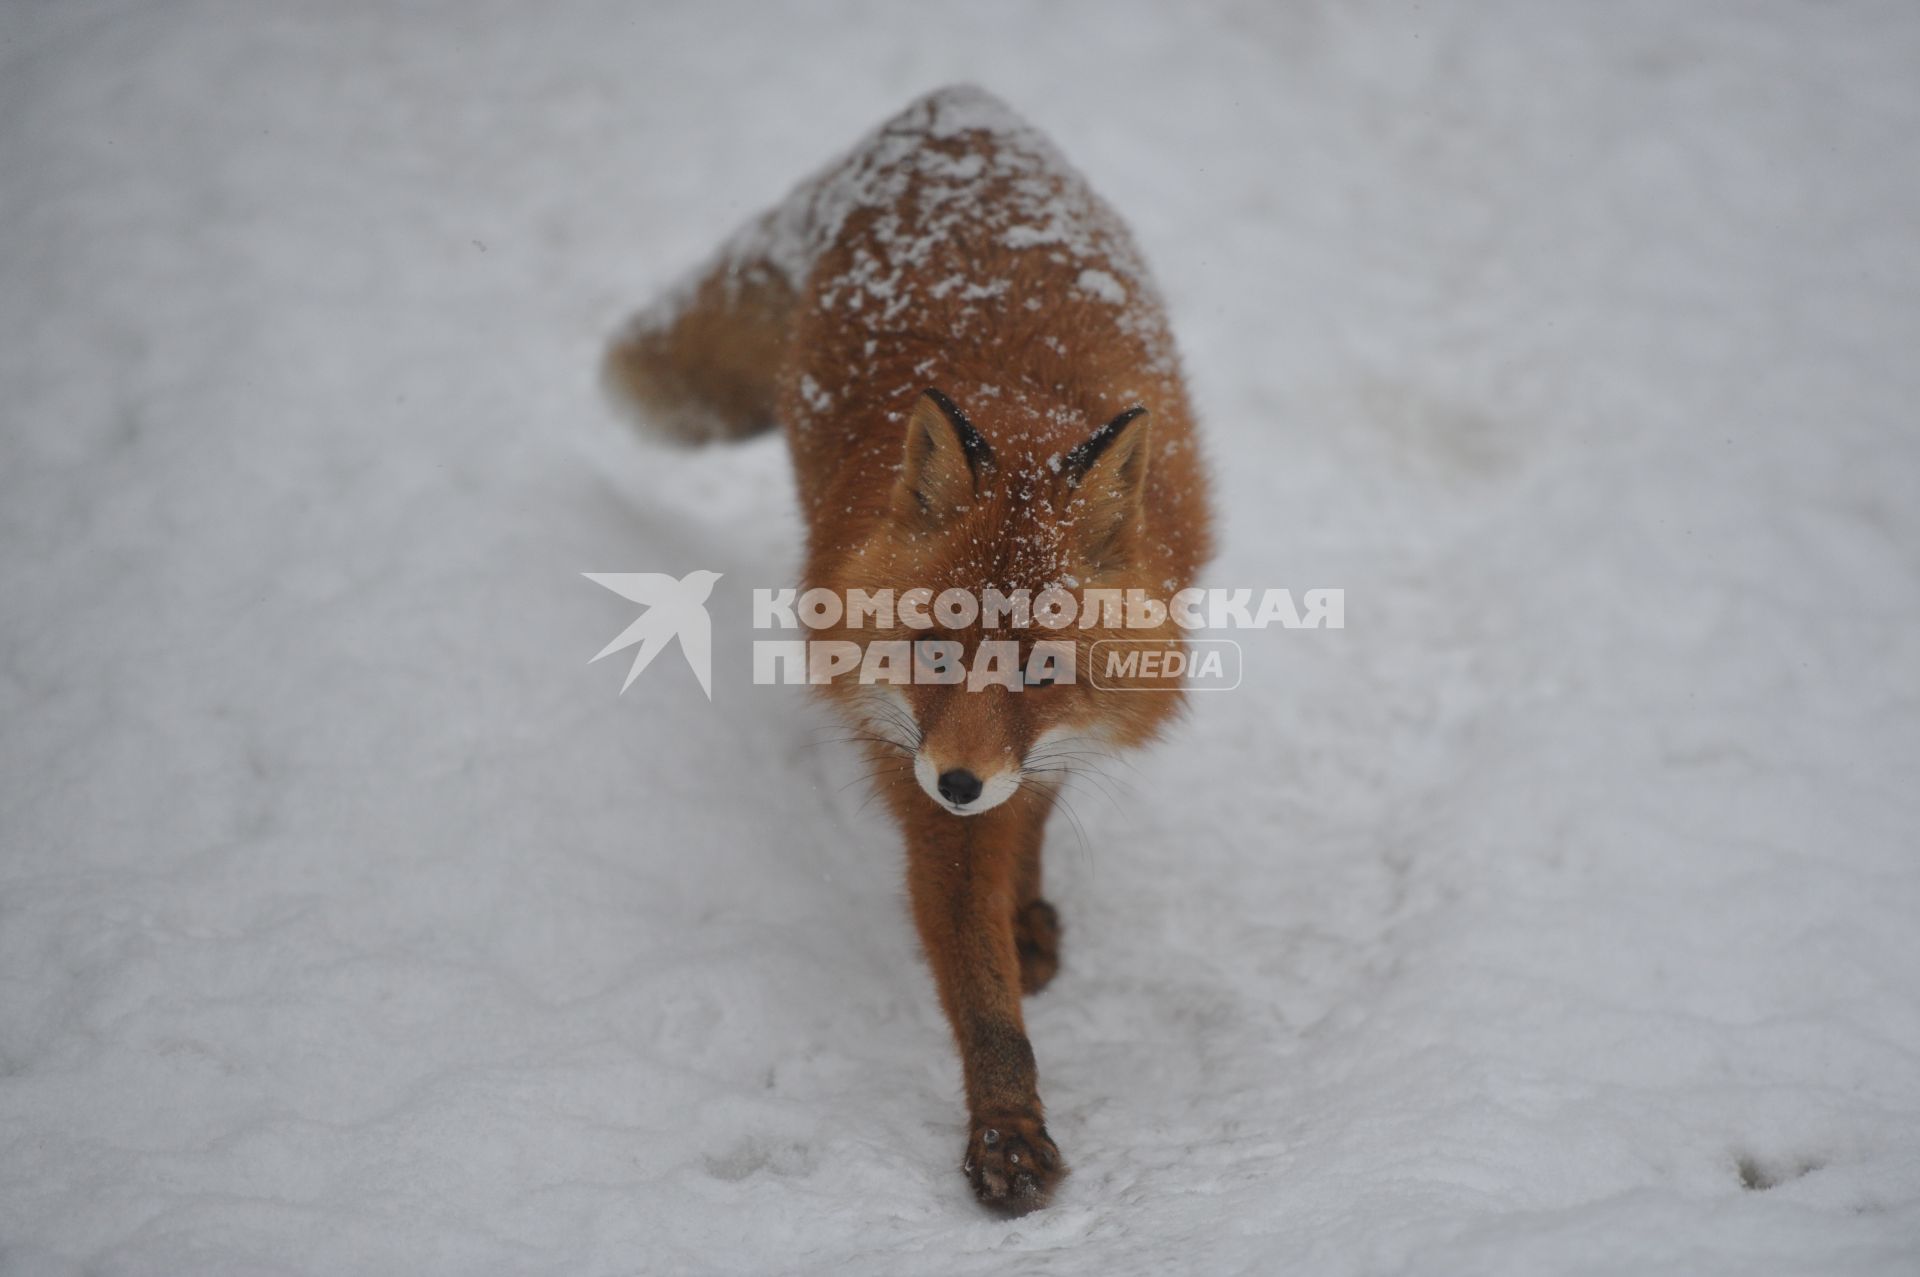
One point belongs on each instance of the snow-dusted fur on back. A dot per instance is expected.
(701, 364)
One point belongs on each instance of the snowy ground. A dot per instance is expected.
(1562, 914)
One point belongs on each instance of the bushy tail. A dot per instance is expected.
(699, 365)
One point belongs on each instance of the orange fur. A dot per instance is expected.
(955, 250)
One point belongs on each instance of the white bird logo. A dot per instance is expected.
(674, 609)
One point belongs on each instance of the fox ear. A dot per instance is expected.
(1107, 475)
(945, 459)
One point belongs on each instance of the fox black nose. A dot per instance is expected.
(959, 786)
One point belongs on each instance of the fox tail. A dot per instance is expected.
(699, 365)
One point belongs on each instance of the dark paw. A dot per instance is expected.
(1012, 1163)
(1036, 933)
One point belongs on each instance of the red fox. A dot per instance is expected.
(979, 389)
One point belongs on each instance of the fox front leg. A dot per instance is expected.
(963, 878)
(1036, 923)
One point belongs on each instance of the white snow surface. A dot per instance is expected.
(1559, 915)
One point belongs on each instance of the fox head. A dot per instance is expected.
(1045, 508)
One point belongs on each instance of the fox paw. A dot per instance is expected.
(1012, 1163)
(1036, 933)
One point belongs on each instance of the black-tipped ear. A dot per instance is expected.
(1107, 474)
(945, 459)
(1107, 439)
